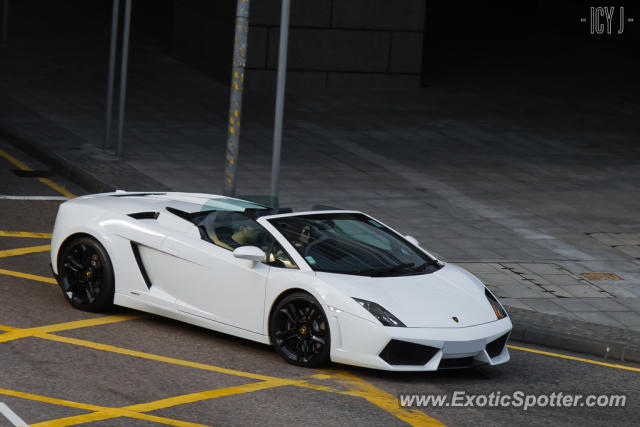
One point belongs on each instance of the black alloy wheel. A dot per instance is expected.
(299, 330)
(85, 274)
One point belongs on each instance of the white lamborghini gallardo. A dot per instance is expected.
(320, 285)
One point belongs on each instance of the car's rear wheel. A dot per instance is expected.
(85, 274)
(299, 330)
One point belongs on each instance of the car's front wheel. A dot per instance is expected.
(299, 330)
(85, 274)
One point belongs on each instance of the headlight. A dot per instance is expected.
(386, 318)
(497, 307)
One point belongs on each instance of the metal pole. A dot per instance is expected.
(235, 99)
(282, 74)
(5, 20)
(112, 71)
(123, 73)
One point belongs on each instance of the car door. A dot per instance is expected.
(208, 281)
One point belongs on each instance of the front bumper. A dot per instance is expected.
(359, 342)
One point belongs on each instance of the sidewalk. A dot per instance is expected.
(531, 190)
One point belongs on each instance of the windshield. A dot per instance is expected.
(351, 243)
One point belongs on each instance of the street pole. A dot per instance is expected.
(279, 115)
(5, 20)
(235, 98)
(123, 73)
(112, 72)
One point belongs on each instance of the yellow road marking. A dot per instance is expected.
(28, 276)
(59, 188)
(171, 401)
(359, 387)
(356, 386)
(384, 400)
(23, 251)
(44, 333)
(17, 163)
(113, 412)
(577, 359)
(211, 394)
(17, 333)
(143, 355)
(46, 181)
(4, 233)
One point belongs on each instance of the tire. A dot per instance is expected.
(85, 274)
(299, 331)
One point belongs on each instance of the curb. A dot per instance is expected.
(597, 345)
(578, 344)
(89, 168)
(70, 155)
(58, 163)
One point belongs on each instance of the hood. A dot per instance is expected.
(422, 301)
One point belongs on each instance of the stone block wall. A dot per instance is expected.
(332, 43)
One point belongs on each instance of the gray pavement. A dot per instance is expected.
(534, 189)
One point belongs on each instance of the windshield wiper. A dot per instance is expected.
(429, 266)
(374, 272)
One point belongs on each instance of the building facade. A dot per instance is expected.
(332, 43)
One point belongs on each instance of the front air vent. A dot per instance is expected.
(407, 353)
(494, 348)
(145, 215)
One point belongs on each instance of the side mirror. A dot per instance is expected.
(251, 253)
(412, 240)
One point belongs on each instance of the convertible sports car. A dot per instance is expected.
(320, 285)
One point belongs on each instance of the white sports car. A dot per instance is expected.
(321, 285)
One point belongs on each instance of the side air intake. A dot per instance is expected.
(145, 215)
(143, 271)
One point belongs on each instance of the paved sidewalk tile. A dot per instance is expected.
(576, 304)
(626, 318)
(548, 306)
(601, 318)
(584, 291)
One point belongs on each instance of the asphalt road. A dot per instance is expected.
(126, 368)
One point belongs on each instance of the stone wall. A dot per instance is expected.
(332, 43)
